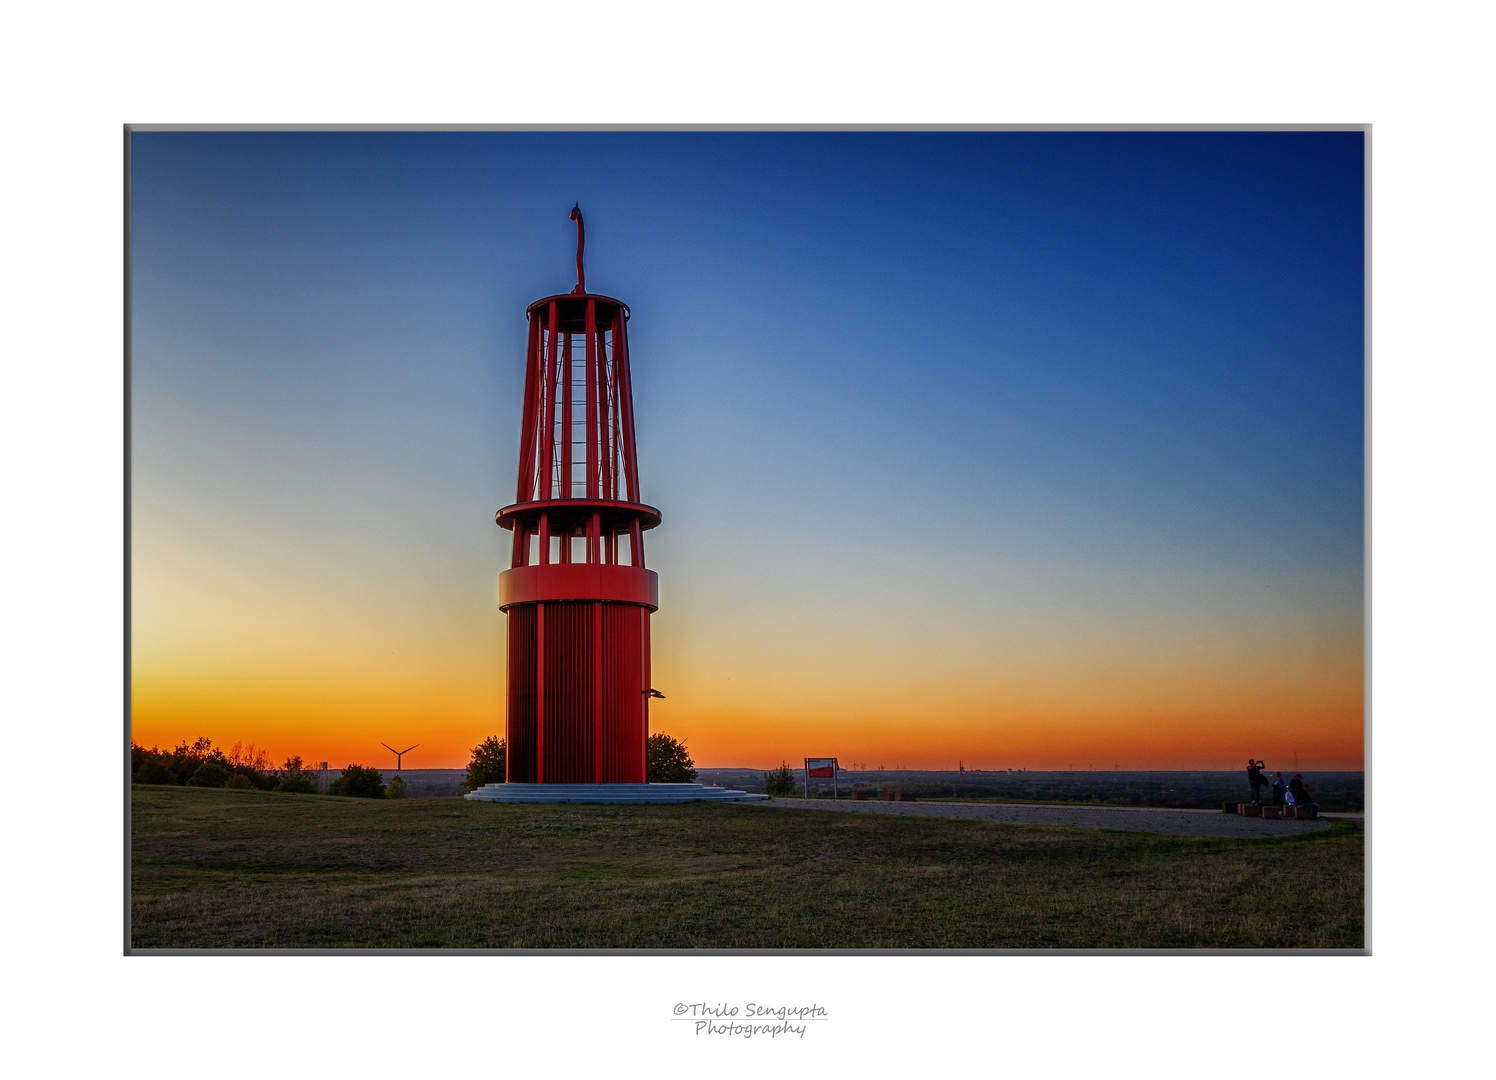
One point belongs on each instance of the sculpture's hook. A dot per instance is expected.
(576, 215)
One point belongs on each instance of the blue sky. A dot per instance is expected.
(1066, 401)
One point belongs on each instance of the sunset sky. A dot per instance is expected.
(1021, 449)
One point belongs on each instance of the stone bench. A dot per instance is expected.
(610, 793)
(1268, 810)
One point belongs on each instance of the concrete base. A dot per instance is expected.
(608, 793)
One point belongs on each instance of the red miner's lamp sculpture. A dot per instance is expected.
(577, 593)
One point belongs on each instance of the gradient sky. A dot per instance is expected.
(1023, 449)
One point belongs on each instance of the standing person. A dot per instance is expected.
(1256, 779)
(1279, 787)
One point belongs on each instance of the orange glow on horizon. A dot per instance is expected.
(1175, 725)
(322, 671)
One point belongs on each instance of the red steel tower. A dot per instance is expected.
(577, 593)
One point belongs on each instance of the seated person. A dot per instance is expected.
(1298, 793)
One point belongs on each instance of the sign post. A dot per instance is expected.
(821, 768)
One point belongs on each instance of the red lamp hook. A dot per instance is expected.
(576, 215)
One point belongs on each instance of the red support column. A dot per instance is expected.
(617, 440)
(591, 361)
(564, 491)
(527, 426)
(517, 556)
(548, 417)
(597, 692)
(626, 395)
(540, 693)
(604, 451)
(510, 722)
(643, 691)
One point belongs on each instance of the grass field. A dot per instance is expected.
(248, 869)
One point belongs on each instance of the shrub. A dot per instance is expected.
(239, 782)
(359, 783)
(140, 757)
(154, 771)
(487, 764)
(209, 774)
(259, 780)
(186, 759)
(396, 790)
(294, 776)
(667, 761)
(780, 782)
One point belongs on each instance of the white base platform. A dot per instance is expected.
(609, 793)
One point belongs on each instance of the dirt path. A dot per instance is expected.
(1128, 818)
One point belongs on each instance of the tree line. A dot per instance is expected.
(201, 764)
(249, 768)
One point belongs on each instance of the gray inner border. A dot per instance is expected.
(1366, 532)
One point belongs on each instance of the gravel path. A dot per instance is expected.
(1128, 818)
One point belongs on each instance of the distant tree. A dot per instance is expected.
(487, 764)
(187, 758)
(396, 790)
(251, 763)
(667, 761)
(780, 782)
(152, 770)
(239, 782)
(180, 764)
(248, 757)
(294, 769)
(140, 757)
(209, 774)
(359, 783)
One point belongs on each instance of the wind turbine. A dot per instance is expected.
(398, 754)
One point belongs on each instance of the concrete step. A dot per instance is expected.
(609, 793)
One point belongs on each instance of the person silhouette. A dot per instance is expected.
(1256, 779)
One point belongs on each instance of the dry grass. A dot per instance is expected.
(241, 869)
